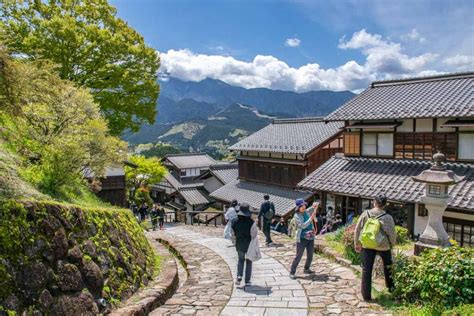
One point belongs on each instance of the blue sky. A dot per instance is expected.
(305, 45)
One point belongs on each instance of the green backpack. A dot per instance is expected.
(371, 236)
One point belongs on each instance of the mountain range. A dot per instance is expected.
(210, 115)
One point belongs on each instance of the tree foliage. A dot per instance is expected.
(91, 47)
(145, 172)
(54, 126)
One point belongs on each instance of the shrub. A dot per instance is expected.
(402, 235)
(348, 242)
(442, 277)
(338, 234)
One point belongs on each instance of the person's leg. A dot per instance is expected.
(368, 257)
(387, 265)
(248, 270)
(266, 231)
(240, 264)
(300, 246)
(309, 254)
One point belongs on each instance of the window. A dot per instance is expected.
(377, 144)
(460, 230)
(424, 145)
(352, 144)
(369, 144)
(466, 146)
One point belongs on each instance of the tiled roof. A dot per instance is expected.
(225, 173)
(252, 193)
(428, 97)
(367, 177)
(194, 196)
(293, 136)
(183, 161)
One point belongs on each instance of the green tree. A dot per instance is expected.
(91, 47)
(145, 172)
(56, 127)
(160, 150)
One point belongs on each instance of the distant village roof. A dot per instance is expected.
(186, 161)
(252, 193)
(292, 136)
(428, 97)
(194, 196)
(368, 177)
(225, 173)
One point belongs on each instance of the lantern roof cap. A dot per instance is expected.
(438, 174)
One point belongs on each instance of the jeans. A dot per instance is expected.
(300, 247)
(266, 231)
(368, 258)
(240, 266)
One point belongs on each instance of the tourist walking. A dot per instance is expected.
(154, 216)
(265, 217)
(305, 231)
(230, 216)
(245, 230)
(161, 215)
(375, 234)
(143, 211)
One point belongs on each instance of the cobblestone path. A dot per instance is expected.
(332, 290)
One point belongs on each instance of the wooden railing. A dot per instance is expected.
(211, 218)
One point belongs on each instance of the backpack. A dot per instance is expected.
(271, 211)
(372, 233)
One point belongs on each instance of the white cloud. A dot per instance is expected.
(292, 42)
(383, 60)
(460, 62)
(413, 35)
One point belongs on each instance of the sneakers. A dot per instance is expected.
(292, 276)
(239, 279)
(308, 271)
(248, 283)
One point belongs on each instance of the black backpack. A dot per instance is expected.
(271, 211)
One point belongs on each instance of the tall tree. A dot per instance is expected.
(91, 47)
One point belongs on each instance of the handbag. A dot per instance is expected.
(228, 231)
(253, 252)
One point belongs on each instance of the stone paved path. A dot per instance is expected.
(333, 290)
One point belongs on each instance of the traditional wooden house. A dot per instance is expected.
(180, 189)
(219, 175)
(274, 159)
(391, 132)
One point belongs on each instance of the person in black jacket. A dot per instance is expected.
(245, 230)
(267, 212)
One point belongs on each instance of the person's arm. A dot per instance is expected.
(254, 231)
(302, 224)
(226, 215)
(260, 214)
(389, 228)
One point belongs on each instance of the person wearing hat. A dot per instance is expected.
(230, 216)
(245, 230)
(305, 232)
(387, 240)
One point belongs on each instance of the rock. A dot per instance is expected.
(93, 277)
(46, 299)
(50, 225)
(33, 278)
(70, 278)
(89, 248)
(75, 304)
(75, 255)
(12, 303)
(59, 244)
(36, 248)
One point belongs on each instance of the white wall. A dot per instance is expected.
(424, 125)
(441, 121)
(406, 126)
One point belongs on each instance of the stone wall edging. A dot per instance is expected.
(159, 290)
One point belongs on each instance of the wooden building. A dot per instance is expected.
(391, 132)
(274, 159)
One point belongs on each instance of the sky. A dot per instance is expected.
(304, 45)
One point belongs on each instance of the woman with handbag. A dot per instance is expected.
(245, 230)
(305, 232)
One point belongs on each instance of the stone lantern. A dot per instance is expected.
(436, 198)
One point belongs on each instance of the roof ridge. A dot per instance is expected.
(448, 76)
(298, 120)
(186, 154)
(224, 166)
